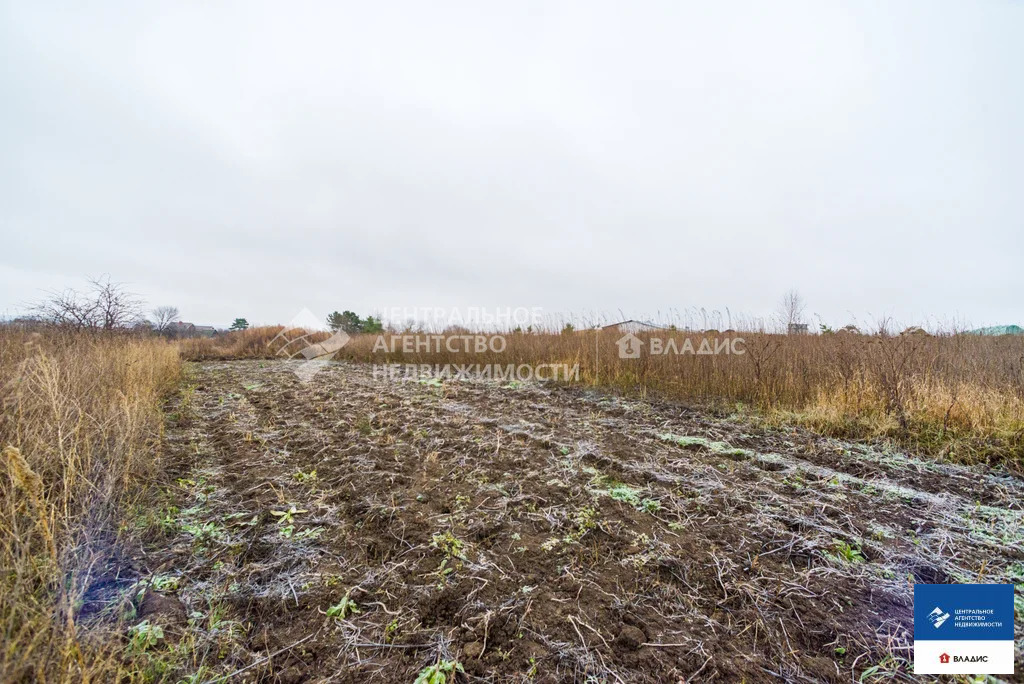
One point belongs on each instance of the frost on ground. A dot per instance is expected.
(352, 529)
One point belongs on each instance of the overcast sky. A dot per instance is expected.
(252, 159)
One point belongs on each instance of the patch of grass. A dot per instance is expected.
(439, 672)
(302, 477)
(165, 583)
(795, 481)
(168, 521)
(217, 621)
(884, 671)
(623, 492)
(364, 425)
(153, 519)
(453, 549)
(450, 545)
(199, 676)
(391, 631)
(310, 533)
(144, 636)
(344, 608)
(203, 533)
(585, 520)
(620, 491)
(686, 441)
(287, 517)
(650, 505)
(879, 533)
(870, 490)
(846, 552)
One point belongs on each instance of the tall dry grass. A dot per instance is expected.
(953, 395)
(960, 396)
(79, 432)
(254, 343)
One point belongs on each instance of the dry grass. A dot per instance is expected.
(80, 433)
(254, 343)
(80, 437)
(954, 396)
(960, 396)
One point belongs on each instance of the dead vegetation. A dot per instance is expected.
(348, 529)
(344, 528)
(80, 429)
(956, 397)
(960, 397)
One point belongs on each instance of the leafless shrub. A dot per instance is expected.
(105, 305)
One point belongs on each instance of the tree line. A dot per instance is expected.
(351, 323)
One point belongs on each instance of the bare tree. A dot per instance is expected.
(791, 310)
(67, 308)
(104, 306)
(117, 307)
(163, 316)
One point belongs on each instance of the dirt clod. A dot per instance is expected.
(156, 606)
(473, 649)
(630, 638)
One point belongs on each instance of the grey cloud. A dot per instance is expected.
(253, 159)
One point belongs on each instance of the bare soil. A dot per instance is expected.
(544, 533)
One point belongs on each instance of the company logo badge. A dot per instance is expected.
(963, 629)
(938, 617)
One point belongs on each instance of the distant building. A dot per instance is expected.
(632, 326)
(999, 330)
(24, 323)
(797, 329)
(184, 329)
(180, 329)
